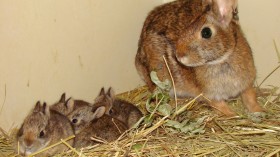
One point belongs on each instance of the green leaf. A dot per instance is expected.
(201, 120)
(186, 129)
(147, 120)
(138, 123)
(193, 128)
(166, 85)
(185, 122)
(186, 126)
(149, 107)
(174, 124)
(165, 109)
(198, 131)
(257, 117)
(137, 146)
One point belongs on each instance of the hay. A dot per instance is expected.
(238, 136)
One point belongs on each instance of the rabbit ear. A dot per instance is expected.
(101, 96)
(102, 91)
(109, 102)
(103, 101)
(45, 109)
(70, 104)
(37, 107)
(99, 112)
(111, 93)
(223, 9)
(62, 98)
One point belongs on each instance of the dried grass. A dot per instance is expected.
(237, 136)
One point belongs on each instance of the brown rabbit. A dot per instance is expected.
(105, 128)
(81, 117)
(118, 109)
(92, 122)
(42, 128)
(205, 48)
(65, 107)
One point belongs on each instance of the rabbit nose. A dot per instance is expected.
(182, 57)
(28, 143)
(180, 53)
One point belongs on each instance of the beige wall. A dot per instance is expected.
(50, 46)
(261, 24)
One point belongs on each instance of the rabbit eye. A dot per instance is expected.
(206, 33)
(74, 121)
(110, 112)
(42, 133)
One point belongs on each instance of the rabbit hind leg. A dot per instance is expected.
(250, 101)
(223, 107)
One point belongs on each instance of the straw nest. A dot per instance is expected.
(187, 128)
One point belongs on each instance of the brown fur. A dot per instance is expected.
(221, 67)
(118, 109)
(125, 112)
(91, 121)
(105, 128)
(65, 107)
(81, 117)
(54, 125)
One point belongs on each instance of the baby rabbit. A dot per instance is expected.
(118, 109)
(81, 117)
(91, 122)
(65, 107)
(205, 49)
(42, 128)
